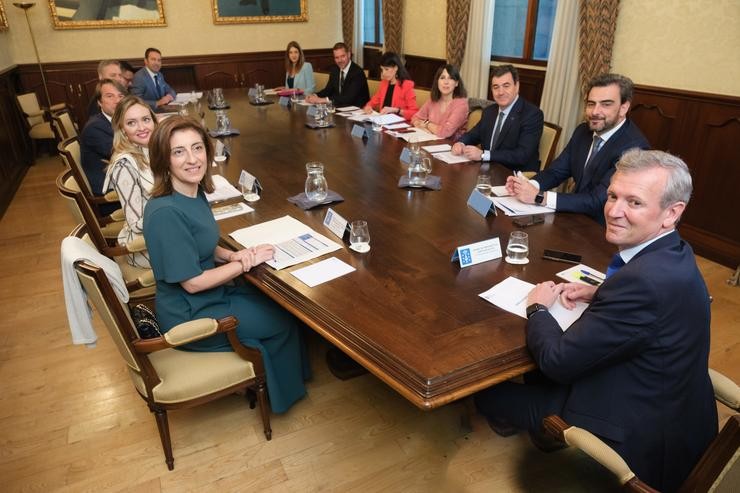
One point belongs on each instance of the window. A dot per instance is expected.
(373, 22)
(522, 30)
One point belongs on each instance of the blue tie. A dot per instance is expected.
(157, 86)
(616, 264)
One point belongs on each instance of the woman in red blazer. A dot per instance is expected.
(396, 91)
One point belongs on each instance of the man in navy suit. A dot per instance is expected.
(149, 83)
(590, 155)
(347, 84)
(633, 369)
(509, 131)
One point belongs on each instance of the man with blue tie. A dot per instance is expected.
(633, 369)
(149, 83)
(590, 155)
(509, 131)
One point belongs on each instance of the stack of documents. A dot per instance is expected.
(185, 97)
(224, 190)
(511, 206)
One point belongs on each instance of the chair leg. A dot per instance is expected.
(251, 396)
(264, 409)
(164, 434)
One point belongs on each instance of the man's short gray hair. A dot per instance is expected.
(105, 63)
(678, 187)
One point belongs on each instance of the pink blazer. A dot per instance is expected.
(403, 98)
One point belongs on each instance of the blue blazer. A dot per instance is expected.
(637, 363)
(589, 195)
(304, 79)
(96, 146)
(143, 86)
(519, 141)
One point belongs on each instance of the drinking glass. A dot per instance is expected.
(483, 184)
(251, 193)
(359, 236)
(330, 107)
(218, 98)
(517, 250)
(377, 127)
(316, 187)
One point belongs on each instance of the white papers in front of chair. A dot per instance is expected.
(450, 158)
(511, 295)
(387, 119)
(347, 109)
(294, 241)
(231, 210)
(500, 191)
(437, 148)
(511, 206)
(185, 97)
(418, 135)
(224, 190)
(323, 271)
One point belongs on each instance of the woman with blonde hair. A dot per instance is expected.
(129, 174)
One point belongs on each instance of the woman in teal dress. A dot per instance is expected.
(182, 239)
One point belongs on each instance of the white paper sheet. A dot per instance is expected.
(511, 206)
(500, 191)
(185, 97)
(323, 271)
(397, 126)
(511, 295)
(294, 241)
(347, 109)
(230, 210)
(450, 158)
(387, 119)
(224, 190)
(418, 135)
(437, 148)
(575, 273)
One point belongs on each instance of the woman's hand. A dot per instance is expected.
(252, 256)
(390, 110)
(367, 110)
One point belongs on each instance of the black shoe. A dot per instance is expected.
(342, 366)
(501, 427)
(545, 442)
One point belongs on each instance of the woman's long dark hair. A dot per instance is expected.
(390, 59)
(454, 73)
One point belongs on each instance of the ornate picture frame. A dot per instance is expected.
(95, 14)
(3, 18)
(258, 11)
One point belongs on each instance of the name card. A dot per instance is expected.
(475, 253)
(480, 203)
(311, 111)
(359, 131)
(336, 223)
(284, 101)
(405, 155)
(248, 180)
(252, 92)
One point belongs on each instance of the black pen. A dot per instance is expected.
(588, 280)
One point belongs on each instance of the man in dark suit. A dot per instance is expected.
(107, 69)
(149, 83)
(633, 369)
(96, 139)
(590, 155)
(509, 131)
(347, 84)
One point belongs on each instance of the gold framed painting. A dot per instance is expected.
(258, 11)
(93, 14)
(3, 19)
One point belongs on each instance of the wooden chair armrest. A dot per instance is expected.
(58, 107)
(111, 196)
(117, 216)
(40, 112)
(725, 390)
(185, 333)
(596, 449)
(137, 245)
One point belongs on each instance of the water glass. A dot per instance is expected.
(330, 107)
(517, 250)
(483, 184)
(359, 236)
(377, 127)
(251, 192)
(316, 187)
(218, 98)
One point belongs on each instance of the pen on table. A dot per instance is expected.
(591, 274)
(590, 280)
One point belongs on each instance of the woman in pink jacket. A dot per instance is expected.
(396, 91)
(446, 113)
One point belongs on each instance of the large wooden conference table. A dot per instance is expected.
(407, 314)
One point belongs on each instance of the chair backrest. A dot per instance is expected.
(548, 143)
(64, 125)
(422, 96)
(29, 104)
(321, 79)
(69, 150)
(474, 117)
(81, 210)
(372, 86)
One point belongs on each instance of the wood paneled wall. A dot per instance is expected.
(15, 145)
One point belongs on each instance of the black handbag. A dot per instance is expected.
(145, 322)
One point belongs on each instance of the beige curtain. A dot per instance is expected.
(597, 23)
(476, 63)
(348, 22)
(457, 30)
(562, 103)
(393, 25)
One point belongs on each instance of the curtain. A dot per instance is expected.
(393, 25)
(358, 39)
(597, 23)
(562, 103)
(476, 64)
(348, 22)
(457, 30)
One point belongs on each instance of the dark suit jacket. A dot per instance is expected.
(96, 145)
(354, 90)
(518, 144)
(637, 363)
(143, 86)
(589, 195)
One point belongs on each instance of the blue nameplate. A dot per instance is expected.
(284, 101)
(480, 203)
(311, 111)
(359, 131)
(252, 92)
(405, 155)
(475, 253)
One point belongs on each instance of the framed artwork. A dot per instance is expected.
(92, 14)
(255, 11)
(3, 19)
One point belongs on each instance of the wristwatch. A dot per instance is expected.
(534, 308)
(539, 198)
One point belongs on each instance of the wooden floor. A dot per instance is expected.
(70, 419)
